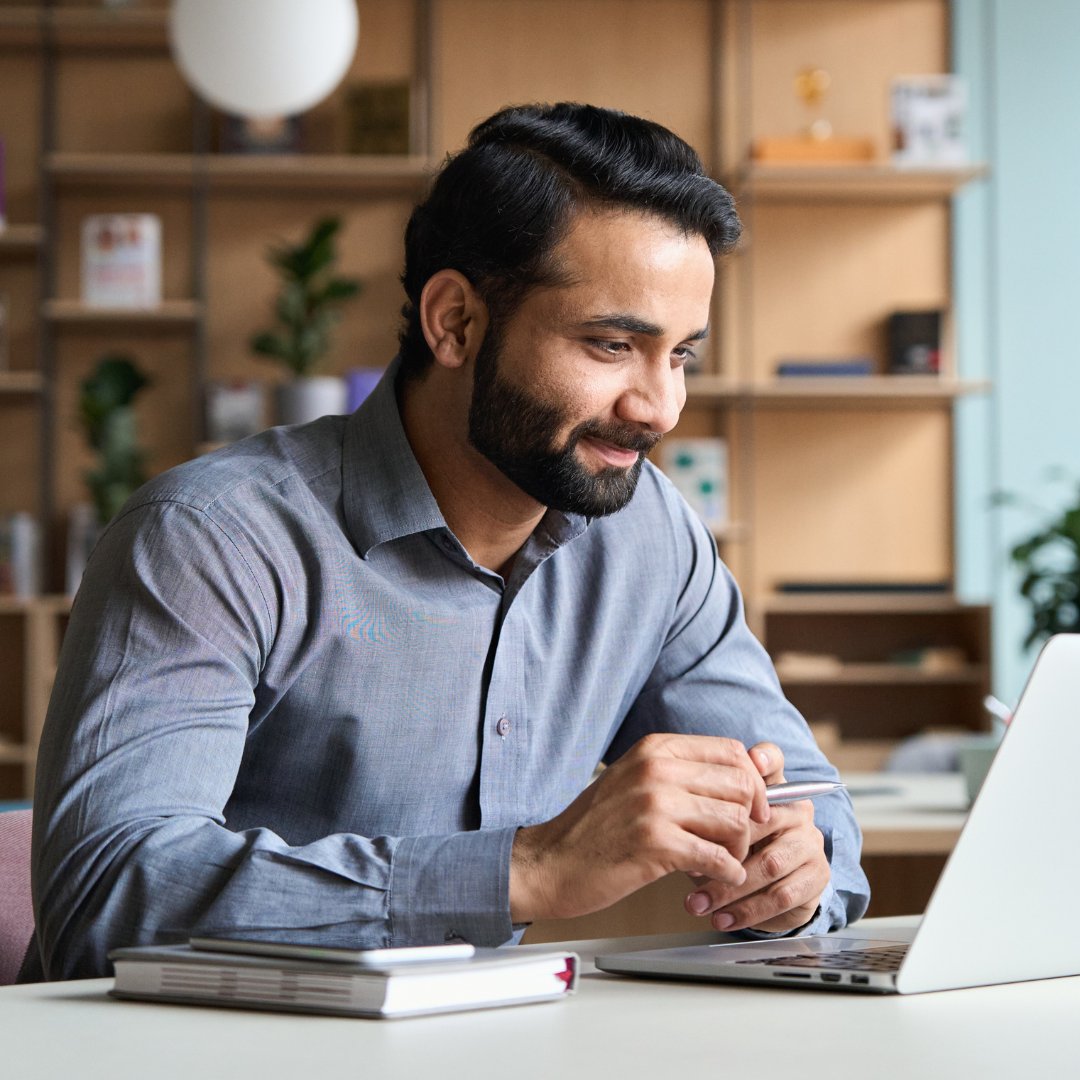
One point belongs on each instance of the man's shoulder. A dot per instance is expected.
(243, 475)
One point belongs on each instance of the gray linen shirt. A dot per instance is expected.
(290, 705)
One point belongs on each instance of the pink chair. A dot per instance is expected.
(16, 910)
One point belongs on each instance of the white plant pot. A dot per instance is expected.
(310, 397)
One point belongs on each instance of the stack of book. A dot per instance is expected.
(344, 982)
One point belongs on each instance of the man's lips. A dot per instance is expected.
(619, 456)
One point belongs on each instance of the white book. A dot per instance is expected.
(491, 977)
(121, 260)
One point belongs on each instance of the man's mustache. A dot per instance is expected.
(625, 438)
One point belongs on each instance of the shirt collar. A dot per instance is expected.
(386, 496)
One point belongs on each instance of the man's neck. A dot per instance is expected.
(489, 514)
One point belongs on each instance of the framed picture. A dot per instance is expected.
(928, 113)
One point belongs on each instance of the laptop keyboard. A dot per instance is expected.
(884, 959)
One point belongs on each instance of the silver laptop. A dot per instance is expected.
(1004, 908)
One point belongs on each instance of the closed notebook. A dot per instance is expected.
(492, 977)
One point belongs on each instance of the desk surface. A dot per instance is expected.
(614, 1027)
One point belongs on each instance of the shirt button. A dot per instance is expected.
(503, 726)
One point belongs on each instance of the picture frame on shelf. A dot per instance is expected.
(378, 117)
(928, 120)
(698, 467)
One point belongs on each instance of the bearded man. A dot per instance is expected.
(349, 682)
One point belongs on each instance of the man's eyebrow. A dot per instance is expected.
(631, 324)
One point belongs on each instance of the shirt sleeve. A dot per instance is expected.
(146, 730)
(713, 677)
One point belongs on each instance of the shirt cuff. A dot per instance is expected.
(452, 888)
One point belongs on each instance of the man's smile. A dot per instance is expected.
(610, 453)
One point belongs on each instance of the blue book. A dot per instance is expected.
(813, 368)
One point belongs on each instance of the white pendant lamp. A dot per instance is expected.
(263, 58)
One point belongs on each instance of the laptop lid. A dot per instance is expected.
(1004, 908)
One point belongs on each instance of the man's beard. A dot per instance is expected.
(515, 432)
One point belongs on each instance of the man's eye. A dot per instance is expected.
(612, 347)
(683, 354)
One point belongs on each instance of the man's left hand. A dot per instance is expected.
(786, 870)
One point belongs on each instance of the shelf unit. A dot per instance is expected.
(817, 271)
(842, 479)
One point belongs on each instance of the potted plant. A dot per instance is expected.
(1049, 562)
(107, 417)
(307, 309)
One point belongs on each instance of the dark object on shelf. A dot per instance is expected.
(855, 587)
(814, 368)
(914, 342)
(260, 135)
(378, 117)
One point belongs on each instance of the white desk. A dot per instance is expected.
(615, 1028)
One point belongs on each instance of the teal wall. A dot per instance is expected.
(1017, 291)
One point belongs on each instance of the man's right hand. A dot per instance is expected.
(673, 802)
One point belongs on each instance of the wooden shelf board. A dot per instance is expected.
(21, 25)
(824, 391)
(320, 172)
(21, 239)
(702, 389)
(14, 754)
(99, 28)
(110, 29)
(875, 181)
(856, 603)
(21, 382)
(862, 674)
(168, 313)
(52, 603)
(231, 172)
(883, 390)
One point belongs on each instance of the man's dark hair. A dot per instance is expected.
(500, 206)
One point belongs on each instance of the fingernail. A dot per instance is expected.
(763, 758)
(699, 903)
(722, 920)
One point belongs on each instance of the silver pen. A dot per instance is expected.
(800, 789)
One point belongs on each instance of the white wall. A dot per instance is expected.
(1017, 280)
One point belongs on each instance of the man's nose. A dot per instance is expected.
(656, 398)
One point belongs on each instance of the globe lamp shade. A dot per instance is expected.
(263, 58)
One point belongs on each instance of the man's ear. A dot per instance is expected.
(453, 317)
